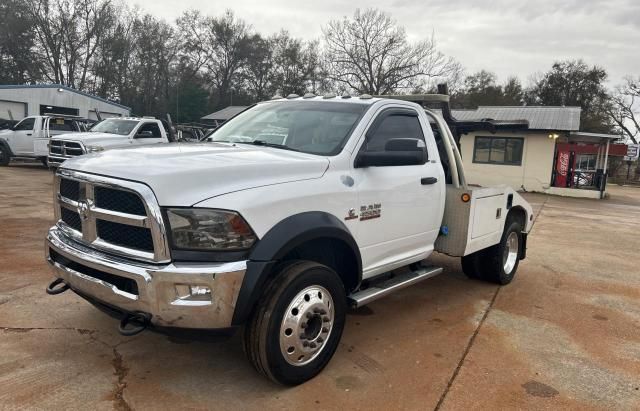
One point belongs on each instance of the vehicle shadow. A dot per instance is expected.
(214, 368)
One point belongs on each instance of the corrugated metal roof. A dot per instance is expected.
(225, 114)
(539, 118)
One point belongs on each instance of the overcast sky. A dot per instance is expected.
(504, 36)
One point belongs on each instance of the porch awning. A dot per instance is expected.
(591, 138)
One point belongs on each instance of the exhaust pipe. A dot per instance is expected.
(137, 323)
(53, 289)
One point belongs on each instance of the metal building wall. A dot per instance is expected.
(33, 97)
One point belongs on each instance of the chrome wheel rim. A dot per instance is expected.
(510, 255)
(306, 325)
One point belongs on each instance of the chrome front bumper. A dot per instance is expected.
(156, 293)
(56, 160)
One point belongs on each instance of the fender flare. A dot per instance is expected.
(277, 243)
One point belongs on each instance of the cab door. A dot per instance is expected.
(21, 141)
(400, 206)
(147, 133)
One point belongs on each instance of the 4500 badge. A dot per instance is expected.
(367, 212)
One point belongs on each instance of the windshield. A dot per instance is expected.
(114, 126)
(309, 126)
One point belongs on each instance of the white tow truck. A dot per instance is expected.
(30, 137)
(108, 134)
(298, 209)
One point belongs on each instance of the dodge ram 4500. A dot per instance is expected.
(296, 210)
(105, 135)
(31, 136)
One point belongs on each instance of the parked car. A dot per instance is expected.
(106, 135)
(338, 208)
(30, 137)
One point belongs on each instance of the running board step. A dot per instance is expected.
(379, 290)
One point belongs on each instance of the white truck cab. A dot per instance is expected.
(30, 137)
(108, 134)
(296, 209)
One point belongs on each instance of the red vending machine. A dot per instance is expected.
(563, 170)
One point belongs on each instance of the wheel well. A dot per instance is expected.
(6, 146)
(334, 253)
(518, 214)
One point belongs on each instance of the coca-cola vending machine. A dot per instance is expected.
(563, 170)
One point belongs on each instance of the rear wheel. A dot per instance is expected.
(499, 263)
(296, 328)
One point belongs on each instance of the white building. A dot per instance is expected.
(549, 155)
(19, 101)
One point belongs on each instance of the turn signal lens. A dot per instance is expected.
(465, 197)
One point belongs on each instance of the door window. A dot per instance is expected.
(395, 125)
(26, 124)
(153, 128)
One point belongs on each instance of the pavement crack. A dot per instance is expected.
(466, 352)
(121, 371)
(27, 329)
(535, 219)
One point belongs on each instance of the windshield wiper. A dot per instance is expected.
(267, 144)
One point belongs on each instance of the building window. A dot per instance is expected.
(586, 162)
(498, 150)
(44, 110)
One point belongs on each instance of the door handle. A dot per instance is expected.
(428, 180)
(28, 134)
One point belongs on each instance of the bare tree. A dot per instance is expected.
(68, 34)
(370, 53)
(294, 63)
(217, 48)
(259, 69)
(625, 108)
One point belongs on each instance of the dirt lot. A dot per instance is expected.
(565, 334)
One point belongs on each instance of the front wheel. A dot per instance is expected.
(4, 156)
(296, 328)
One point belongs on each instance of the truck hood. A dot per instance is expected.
(186, 174)
(91, 138)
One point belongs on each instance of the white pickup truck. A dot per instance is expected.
(30, 137)
(108, 134)
(298, 209)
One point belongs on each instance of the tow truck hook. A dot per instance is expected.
(134, 323)
(53, 289)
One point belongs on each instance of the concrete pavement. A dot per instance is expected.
(564, 335)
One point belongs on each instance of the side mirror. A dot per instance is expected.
(144, 134)
(398, 152)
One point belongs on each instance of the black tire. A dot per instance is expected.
(5, 157)
(491, 265)
(44, 161)
(262, 332)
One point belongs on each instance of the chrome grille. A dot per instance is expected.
(72, 219)
(65, 149)
(70, 189)
(125, 235)
(115, 216)
(118, 200)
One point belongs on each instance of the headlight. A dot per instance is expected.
(94, 149)
(206, 229)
